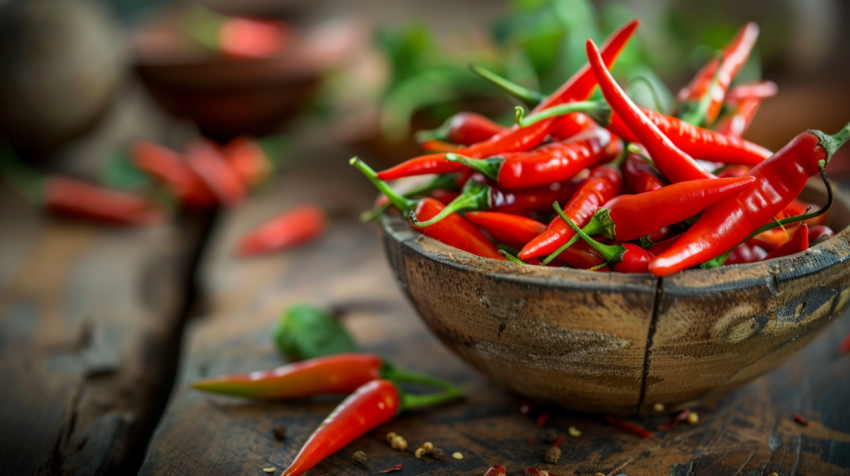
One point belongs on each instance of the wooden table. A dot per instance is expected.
(92, 319)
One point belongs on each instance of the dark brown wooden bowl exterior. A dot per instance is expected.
(617, 343)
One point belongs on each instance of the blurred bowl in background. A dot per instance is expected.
(228, 96)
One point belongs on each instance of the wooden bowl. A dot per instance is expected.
(617, 343)
(227, 97)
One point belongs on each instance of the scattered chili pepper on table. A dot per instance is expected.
(292, 227)
(168, 167)
(627, 427)
(801, 419)
(389, 470)
(216, 172)
(371, 405)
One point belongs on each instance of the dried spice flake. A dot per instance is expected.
(438, 454)
(542, 419)
(676, 419)
(801, 419)
(394, 468)
(497, 470)
(553, 454)
(279, 432)
(628, 427)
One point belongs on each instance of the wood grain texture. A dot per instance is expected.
(749, 431)
(89, 323)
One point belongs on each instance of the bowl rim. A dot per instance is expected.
(809, 261)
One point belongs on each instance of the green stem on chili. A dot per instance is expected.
(511, 257)
(402, 203)
(599, 111)
(530, 97)
(446, 181)
(696, 115)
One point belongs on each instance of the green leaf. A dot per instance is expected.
(306, 332)
(119, 173)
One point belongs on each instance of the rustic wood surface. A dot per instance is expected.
(750, 431)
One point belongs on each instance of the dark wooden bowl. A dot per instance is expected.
(227, 97)
(617, 343)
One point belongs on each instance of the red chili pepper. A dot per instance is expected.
(696, 142)
(755, 90)
(453, 230)
(629, 217)
(801, 419)
(576, 123)
(333, 374)
(639, 176)
(211, 167)
(464, 128)
(252, 38)
(819, 234)
(371, 405)
(745, 253)
(734, 171)
(844, 347)
(511, 230)
(167, 166)
(553, 162)
(603, 184)
(495, 470)
(444, 196)
(733, 57)
(76, 199)
(249, 160)
(676, 420)
(389, 470)
(628, 427)
(728, 223)
(624, 257)
(579, 86)
(736, 123)
(293, 227)
(798, 242)
(477, 196)
(676, 165)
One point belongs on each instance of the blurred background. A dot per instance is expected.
(95, 75)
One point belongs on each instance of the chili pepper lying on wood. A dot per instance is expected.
(77, 199)
(628, 427)
(728, 223)
(604, 183)
(248, 159)
(373, 404)
(676, 165)
(168, 167)
(454, 230)
(333, 374)
(623, 257)
(477, 196)
(465, 128)
(724, 69)
(212, 168)
(799, 242)
(626, 217)
(512, 230)
(292, 227)
(549, 163)
(579, 87)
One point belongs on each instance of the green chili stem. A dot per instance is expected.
(396, 375)
(599, 111)
(446, 181)
(593, 227)
(611, 254)
(656, 99)
(696, 116)
(488, 167)
(511, 257)
(634, 149)
(410, 401)
(395, 198)
(529, 97)
(475, 197)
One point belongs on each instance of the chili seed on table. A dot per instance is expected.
(553, 454)
(573, 431)
(693, 418)
(269, 470)
(659, 407)
(457, 455)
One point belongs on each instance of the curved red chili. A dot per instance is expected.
(249, 160)
(603, 184)
(293, 227)
(676, 165)
(733, 57)
(755, 90)
(553, 162)
(799, 242)
(371, 405)
(699, 143)
(512, 230)
(728, 223)
(465, 128)
(211, 167)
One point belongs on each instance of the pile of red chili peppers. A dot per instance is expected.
(633, 190)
